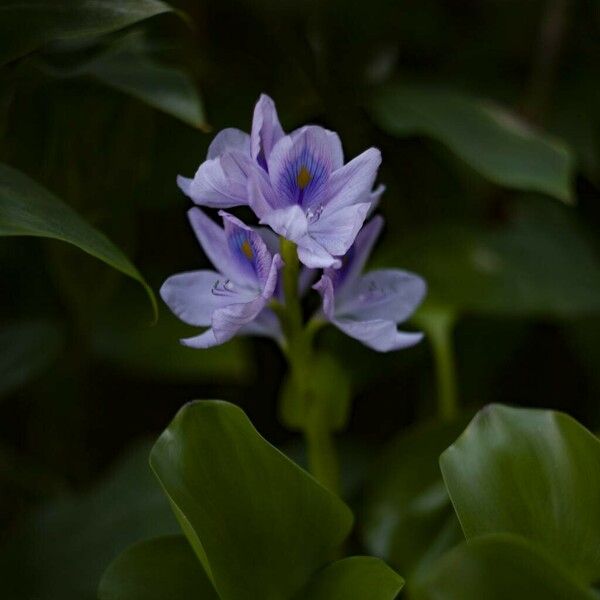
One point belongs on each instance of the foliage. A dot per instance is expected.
(486, 115)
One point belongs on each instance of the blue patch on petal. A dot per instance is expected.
(304, 177)
(245, 250)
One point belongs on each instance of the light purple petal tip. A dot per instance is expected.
(379, 334)
(354, 181)
(227, 140)
(266, 130)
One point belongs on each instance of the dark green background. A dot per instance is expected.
(83, 376)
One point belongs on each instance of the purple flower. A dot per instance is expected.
(231, 300)
(309, 196)
(368, 307)
(222, 180)
(297, 184)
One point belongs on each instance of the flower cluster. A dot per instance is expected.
(300, 188)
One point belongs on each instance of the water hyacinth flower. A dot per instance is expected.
(222, 180)
(297, 184)
(368, 307)
(309, 196)
(232, 299)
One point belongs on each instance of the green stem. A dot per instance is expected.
(439, 325)
(322, 458)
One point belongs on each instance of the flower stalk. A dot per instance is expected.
(320, 449)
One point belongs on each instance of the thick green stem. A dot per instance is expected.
(321, 453)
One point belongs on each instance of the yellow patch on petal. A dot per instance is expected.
(303, 178)
(247, 250)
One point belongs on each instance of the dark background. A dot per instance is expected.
(84, 375)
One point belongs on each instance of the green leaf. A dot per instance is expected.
(354, 578)
(408, 518)
(28, 25)
(543, 262)
(489, 139)
(27, 349)
(63, 548)
(260, 525)
(497, 567)
(534, 473)
(27, 209)
(163, 87)
(157, 569)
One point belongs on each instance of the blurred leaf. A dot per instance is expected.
(28, 209)
(497, 567)
(535, 473)
(260, 525)
(489, 139)
(123, 339)
(157, 569)
(408, 518)
(27, 349)
(354, 578)
(62, 550)
(28, 25)
(542, 262)
(164, 87)
(327, 390)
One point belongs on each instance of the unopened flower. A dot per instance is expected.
(309, 196)
(368, 307)
(222, 180)
(231, 300)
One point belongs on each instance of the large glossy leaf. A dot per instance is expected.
(498, 567)
(542, 262)
(62, 550)
(534, 473)
(162, 86)
(27, 209)
(260, 525)
(354, 578)
(157, 569)
(30, 24)
(408, 518)
(492, 141)
(27, 349)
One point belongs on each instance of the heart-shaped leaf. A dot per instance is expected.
(497, 567)
(259, 524)
(157, 569)
(491, 140)
(533, 473)
(27, 209)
